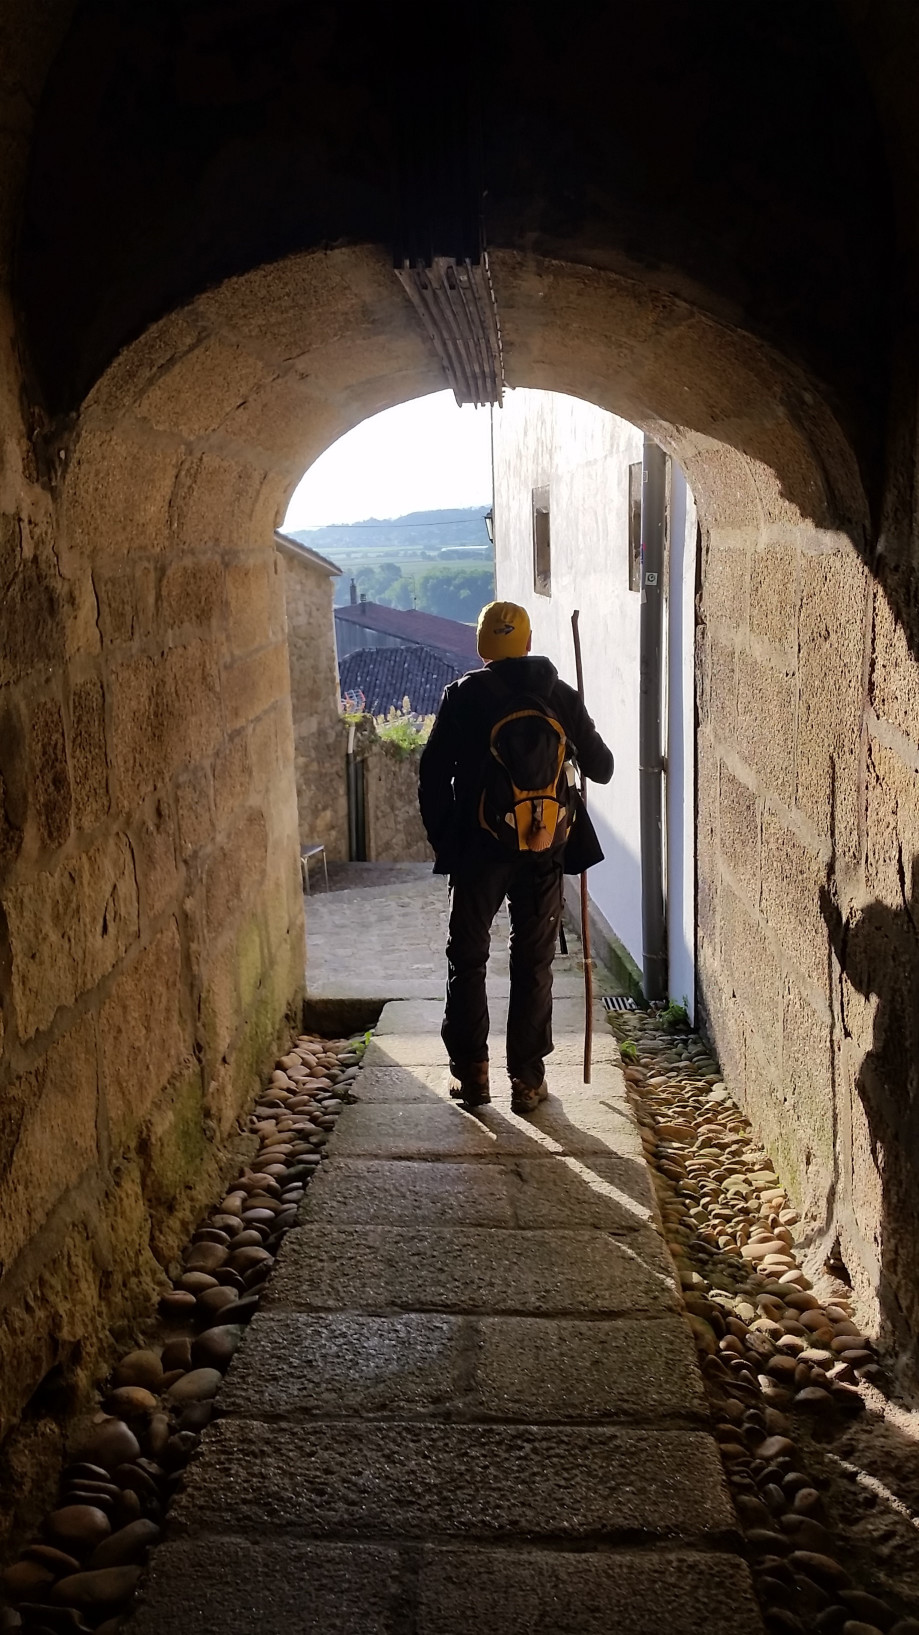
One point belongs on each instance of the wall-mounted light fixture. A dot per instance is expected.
(489, 521)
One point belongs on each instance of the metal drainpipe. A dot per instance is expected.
(352, 802)
(653, 921)
(357, 817)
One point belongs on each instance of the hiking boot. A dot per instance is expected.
(525, 1098)
(470, 1084)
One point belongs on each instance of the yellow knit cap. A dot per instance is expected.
(503, 631)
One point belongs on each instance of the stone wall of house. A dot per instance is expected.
(393, 822)
(808, 887)
(319, 743)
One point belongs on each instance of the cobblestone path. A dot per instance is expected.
(470, 1400)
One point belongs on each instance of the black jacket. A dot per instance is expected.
(453, 761)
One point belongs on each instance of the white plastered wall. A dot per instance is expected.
(582, 454)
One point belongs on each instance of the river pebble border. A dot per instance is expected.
(780, 1364)
(81, 1574)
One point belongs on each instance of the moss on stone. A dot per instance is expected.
(249, 961)
(174, 1142)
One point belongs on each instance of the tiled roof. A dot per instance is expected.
(386, 675)
(408, 625)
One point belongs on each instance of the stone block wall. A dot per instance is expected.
(395, 833)
(319, 743)
(151, 934)
(808, 888)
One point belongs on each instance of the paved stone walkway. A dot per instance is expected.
(380, 934)
(470, 1400)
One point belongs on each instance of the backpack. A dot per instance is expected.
(527, 798)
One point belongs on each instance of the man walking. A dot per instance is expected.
(500, 809)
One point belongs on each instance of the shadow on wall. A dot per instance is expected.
(877, 949)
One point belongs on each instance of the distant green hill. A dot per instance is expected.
(420, 560)
(417, 531)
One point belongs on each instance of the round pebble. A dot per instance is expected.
(111, 1444)
(84, 1472)
(243, 1311)
(93, 1496)
(131, 1401)
(216, 1347)
(81, 1525)
(157, 1434)
(58, 1560)
(138, 1481)
(143, 1368)
(242, 1260)
(229, 1279)
(177, 1353)
(205, 1257)
(869, 1608)
(126, 1547)
(197, 1282)
(214, 1301)
(821, 1567)
(806, 1533)
(814, 1400)
(109, 1587)
(178, 1303)
(128, 1507)
(27, 1581)
(198, 1386)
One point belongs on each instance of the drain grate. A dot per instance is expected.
(618, 1002)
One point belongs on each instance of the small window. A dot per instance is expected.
(542, 550)
(635, 526)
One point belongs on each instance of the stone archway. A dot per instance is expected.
(179, 466)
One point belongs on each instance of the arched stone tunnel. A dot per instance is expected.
(705, 223)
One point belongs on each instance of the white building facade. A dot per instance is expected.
(567, 493)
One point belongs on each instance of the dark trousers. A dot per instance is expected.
(533, 888)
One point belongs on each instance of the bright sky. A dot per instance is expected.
(421, 456)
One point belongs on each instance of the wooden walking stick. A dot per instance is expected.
(585, 924)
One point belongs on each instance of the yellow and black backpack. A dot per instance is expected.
(527, 799)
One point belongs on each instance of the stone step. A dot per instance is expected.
(363, 1589)
(440, 1128)
(335, 1365)
(326, 1268)
(610, 1194)
(382, 1480)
